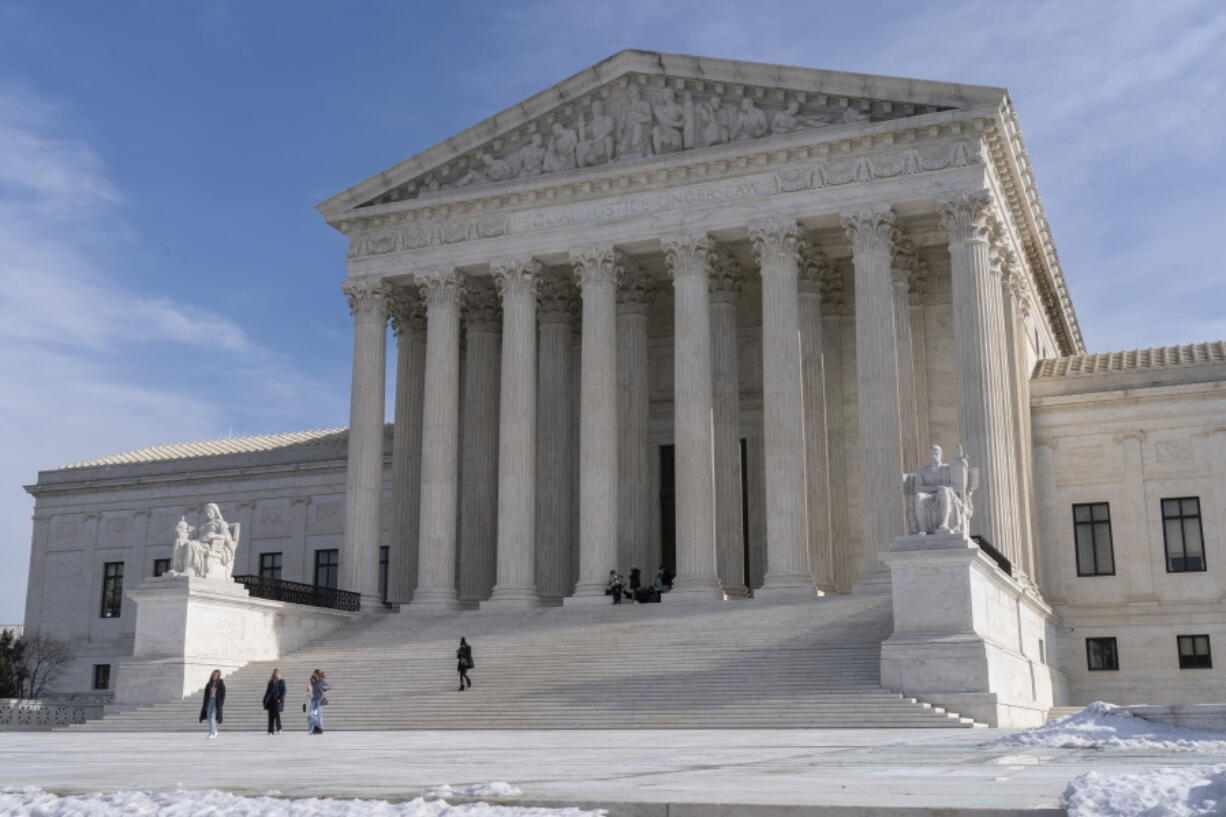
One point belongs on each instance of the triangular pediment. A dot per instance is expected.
(640, 105)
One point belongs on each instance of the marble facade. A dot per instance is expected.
(673, 310)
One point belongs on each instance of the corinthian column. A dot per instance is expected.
(871, 235)
(814, 275)
(479, 445)
(440, 435)
(689, 263)
(776, 244)
(634, 296)
(726, 281)
(966, 219)
(900, 277)
(516, 587)
(364, 474)
(596, 269)
(555, 437)
(408, 314)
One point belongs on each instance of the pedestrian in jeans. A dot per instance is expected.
(214, 698)
(464, 662)
(316, 689)
(274, 701)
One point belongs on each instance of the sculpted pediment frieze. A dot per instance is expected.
(639, 117)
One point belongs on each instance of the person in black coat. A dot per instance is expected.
(274, 701)
(464, 662)
(214, 700)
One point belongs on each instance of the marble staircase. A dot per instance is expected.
(751, 664)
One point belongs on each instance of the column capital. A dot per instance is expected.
(515, 278)
(967, 216)
(441, 289)
(688, 256)
(367, 298)
(870, 230)
(776, 241)
(597, 268)
(482, 310)
(727, 276)
(407, 310)
(636, 289)
(816, 272)
(557, 300)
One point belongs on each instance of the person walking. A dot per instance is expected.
(464, 662)
(317, 688)
(214, 699)
(274, 701)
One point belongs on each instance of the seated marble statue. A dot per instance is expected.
(941, 495)
(210, 552)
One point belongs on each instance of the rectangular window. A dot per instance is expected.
(327, 567)
(1092, 531)
(160, 566)
(1185, 547)
(112, 589)
(102, 676)
(270, 565)
(383, 560)
(1101, 654)
(1194, 652)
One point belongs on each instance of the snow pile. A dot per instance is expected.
(1106, 726)
(498, 788)
(32, 802)
(1190, 791)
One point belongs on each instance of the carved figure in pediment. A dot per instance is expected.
(595, 138)
(666, 136)
(560, 155)
(493, 170)
(851, 116)
(634, 129)
(789, 119)
(750, 122)
(711, 130)
(530, 161)
(941, 494)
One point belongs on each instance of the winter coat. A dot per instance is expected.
(221, 699)
(318, 689)
(636, 579)
(464, 658)
(274, 695)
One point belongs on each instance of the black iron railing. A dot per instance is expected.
(263, 587)
(996, 555)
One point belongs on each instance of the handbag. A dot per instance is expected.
(323, 701)
(304, 707)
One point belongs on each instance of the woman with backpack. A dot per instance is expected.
(464, 662)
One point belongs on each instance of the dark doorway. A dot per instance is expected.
(668, 507)
(744, 449)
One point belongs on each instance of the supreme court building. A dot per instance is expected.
(704, 313)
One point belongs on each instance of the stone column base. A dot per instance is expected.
(434, 598)
(509, 596)
(786, 586)
(687, 590)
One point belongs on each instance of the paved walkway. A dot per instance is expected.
(846, 771)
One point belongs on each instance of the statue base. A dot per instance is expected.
(967, 636)
(187, 626)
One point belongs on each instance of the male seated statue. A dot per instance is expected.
(940, 494)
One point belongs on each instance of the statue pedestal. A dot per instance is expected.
(967, 636)
(186, 627)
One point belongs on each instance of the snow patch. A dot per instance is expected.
(1189, 791)
(499, 788)
(33, 802)
(1106, 726)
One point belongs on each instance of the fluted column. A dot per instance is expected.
(870, 233)
(516, 587)
(975, 296)
(689, 263)
(776, 244)
(440, 436)
(408, 314)
(814, 274)
(900, 277)
(596, 269)
(364, 473)
(555, 438)
(479, 446)
(635, 293)
(727, 280)
(1016, 290)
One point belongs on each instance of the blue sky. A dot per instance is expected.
(164, 277)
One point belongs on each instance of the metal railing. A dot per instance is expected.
(996, 555)
(262, 587)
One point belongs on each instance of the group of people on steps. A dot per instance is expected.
(637, 591)
(316, 690)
